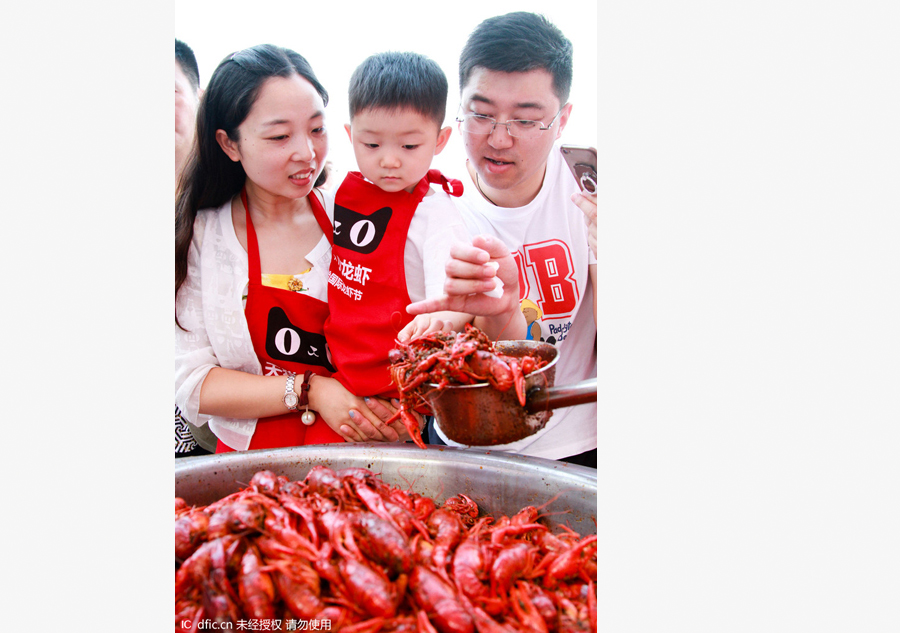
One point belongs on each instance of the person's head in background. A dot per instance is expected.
(397, 107)
(187, 99)
(515, 73)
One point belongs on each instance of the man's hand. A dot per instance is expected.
(472, 271)
(482, 280)
(588, 205)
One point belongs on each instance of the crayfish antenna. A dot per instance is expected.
(544, 515)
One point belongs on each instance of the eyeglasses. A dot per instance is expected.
(480, 124)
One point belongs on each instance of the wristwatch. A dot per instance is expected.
(291, 399)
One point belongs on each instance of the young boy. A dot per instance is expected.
(392, 231)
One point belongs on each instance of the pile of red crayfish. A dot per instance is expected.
(358, 555)
(444, 359)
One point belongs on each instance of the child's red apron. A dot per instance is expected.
(287, 330)
(368, 303)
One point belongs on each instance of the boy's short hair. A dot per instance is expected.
(519, 42)
(399, 80)
(185, 58)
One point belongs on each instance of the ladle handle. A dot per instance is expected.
(565, 396)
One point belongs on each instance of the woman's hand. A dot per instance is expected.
(348, 415)
(384, 410)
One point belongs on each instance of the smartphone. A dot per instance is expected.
(582, 162)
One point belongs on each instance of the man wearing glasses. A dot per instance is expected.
(515, 72)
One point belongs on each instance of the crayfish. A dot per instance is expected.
(438, 360)
(360, 556)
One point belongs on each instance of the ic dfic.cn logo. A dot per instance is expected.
(286, 341)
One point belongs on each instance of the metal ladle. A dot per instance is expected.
(480, 415)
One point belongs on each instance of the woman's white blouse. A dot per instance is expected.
(210, 309)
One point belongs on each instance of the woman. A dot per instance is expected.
(250, 357)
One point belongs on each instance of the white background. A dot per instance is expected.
(336, 37)
(748, 325)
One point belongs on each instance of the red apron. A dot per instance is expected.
(367, 295)
(287, 331)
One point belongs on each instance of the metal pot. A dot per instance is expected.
(499, 483)
(480, 415)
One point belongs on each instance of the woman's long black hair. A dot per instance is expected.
(210, 178)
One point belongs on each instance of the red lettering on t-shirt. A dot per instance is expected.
(551, 264)
(524, 288)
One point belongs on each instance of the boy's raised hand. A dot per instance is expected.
(426, 324)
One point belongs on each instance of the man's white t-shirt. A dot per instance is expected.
(549, 240)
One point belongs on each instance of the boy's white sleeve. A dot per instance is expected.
(444, 227)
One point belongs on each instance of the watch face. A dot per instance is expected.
(291, 400)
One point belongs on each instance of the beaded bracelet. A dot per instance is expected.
(307, 417)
